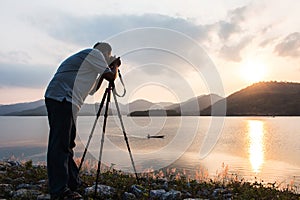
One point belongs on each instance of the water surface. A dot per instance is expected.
(263, 147)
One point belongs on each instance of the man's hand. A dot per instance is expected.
(114, 62)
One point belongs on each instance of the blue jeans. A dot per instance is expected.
(61, 168)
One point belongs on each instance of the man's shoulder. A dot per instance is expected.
(92, 53)
(85, 51)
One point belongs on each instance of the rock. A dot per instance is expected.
(3, 167)
(43, 181)
(137, 190)
(7, 180)
(172, 194)
(166, 185)
(221, 192)
(128, 196)
(195, 199)
(28, 186)
(162, 180)
(154, 185)
(186, 194)
(204, 192)
(155, 194)
(3, 172)
(43, 197)
(26, 194)
(14, 163)
(216, 192)
(18, 180)
(5, 189)
(102, 190)
(227, 196)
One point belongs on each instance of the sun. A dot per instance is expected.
(253, 71)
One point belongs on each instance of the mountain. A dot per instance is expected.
(86, 110)
(194, 105)
(38, 111)
(187, 108)
(38, 108)
(5, 109)
(154, 112)
(139, 105)
(259, 99)
(262, 99)
(142, 105)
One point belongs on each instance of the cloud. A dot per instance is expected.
(24, 75)
(239, 14)
(16, 56)
(267, 42)
(85, 31)
(233, 25)
(232, 34)
(233, 52)
(88, 30)
(163, 56)
(289, 46)
(226, 29)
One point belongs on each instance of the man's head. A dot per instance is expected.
(105, 48)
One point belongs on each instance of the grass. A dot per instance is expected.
(200, 186)
(239, 189)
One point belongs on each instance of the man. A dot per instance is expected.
(75, 78)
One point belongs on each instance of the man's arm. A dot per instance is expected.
(109, 75)
(114, 66)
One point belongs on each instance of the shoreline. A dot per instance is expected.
(28, 181)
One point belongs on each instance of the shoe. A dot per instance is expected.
(68, 195)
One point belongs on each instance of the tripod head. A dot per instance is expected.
(114, 61)
(111, 85)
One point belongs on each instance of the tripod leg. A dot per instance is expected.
(108, 90)
(125, 136)
(92, 131)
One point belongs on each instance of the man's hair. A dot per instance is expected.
(103, 47)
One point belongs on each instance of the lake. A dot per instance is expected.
(255, 148)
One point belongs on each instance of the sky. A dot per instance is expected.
(170, 50)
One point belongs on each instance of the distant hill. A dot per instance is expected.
(263, 99)
(141, 105)
(5, 109)
(187, 108)
(39, 111)
(154, 112)
(193, 106)
(38, 108)
(260, 99)
(86, 110)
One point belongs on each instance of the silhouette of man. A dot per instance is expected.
(77, 76)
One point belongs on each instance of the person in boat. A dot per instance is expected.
(155, 136)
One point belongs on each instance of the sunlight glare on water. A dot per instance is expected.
(256, 146)
(266, 148)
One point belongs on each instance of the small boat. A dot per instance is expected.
(155, 136)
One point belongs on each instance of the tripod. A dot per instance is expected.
(107, 96)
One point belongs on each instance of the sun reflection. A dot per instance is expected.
(256, 147)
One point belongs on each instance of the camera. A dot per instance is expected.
(114, 61)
